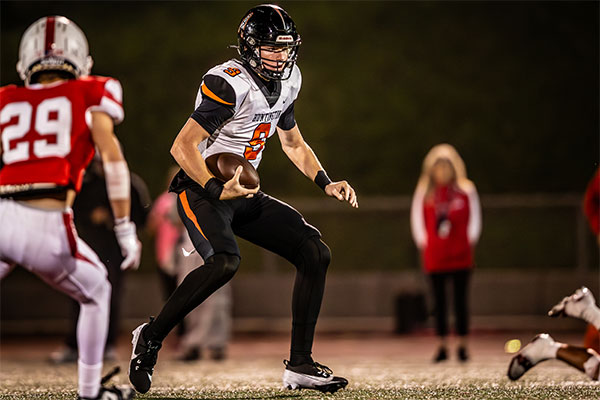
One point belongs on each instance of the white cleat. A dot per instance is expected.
(541, 348)
(574, 305)
(312, 376)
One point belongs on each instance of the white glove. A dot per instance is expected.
(131, 247)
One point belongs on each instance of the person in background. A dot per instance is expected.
(163, 224)
(446, 225)
(591, 204)
(94, 221)
(591, 209)
(209, 325)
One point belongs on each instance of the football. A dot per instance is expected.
(223, 166)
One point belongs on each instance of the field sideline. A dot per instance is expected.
(378, 367)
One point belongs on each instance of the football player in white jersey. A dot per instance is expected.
(241, 104)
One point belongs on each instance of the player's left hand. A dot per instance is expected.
(343, 192)
(131, 247)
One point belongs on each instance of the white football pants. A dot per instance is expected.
(46, 243)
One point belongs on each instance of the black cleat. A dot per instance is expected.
(312, 376)
(143, 358)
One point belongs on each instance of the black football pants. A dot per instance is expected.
(266, 222)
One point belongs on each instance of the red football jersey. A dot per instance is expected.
(45, 130)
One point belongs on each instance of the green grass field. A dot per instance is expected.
(377, 368)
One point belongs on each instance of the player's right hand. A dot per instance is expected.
(131, 247)
(232, 189)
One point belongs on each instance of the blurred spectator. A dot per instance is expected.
(164, 224)
(446, 224)
(591, 208)
(209, 325)
(94, 223)
(591, 204)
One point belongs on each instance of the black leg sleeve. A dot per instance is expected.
(311, 264)
(438, 283)
(195, 288)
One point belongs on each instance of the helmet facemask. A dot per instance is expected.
(271, 69)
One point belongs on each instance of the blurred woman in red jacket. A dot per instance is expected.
(446, 224)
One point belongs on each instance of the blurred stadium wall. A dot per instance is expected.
(514, 86)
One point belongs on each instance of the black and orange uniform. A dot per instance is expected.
(241, 111)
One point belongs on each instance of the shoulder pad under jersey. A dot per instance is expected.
(234, 73)
(105, 94)
(295, 82)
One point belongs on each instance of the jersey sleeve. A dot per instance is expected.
(474, 226)
(287, 120)
(106, 95)
(417, 219)
(215, 103)
(591, 203)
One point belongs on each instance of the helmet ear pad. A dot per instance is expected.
(21, 70)
(87, 68)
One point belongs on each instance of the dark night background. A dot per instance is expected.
(513, 85)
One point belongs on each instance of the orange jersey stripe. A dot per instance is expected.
(213, 96)
(189, 213)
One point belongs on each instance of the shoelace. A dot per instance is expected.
(320, 368)
(323, 369)
(147, 359)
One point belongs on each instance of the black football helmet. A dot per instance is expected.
(268, 25)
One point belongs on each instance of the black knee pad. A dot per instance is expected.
(226, 265)
(313, 253)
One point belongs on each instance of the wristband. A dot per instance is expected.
(214, 188)
(322, 179)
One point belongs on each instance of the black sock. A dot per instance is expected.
(195, 288)
(300, 358)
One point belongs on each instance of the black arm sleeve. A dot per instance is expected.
(287, 120)
(217, 107)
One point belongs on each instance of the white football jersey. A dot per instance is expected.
(253, 121)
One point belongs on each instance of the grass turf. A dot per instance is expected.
(382, 377)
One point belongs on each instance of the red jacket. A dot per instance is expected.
(447, 228)
(591, 203)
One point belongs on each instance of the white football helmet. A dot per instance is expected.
(53, 43)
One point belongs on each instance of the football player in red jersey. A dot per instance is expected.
(49, 129)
